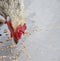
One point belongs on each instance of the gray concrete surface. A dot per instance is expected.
(43, 45)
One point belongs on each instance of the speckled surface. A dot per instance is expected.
(44, 44)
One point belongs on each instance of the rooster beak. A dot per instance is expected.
(15, 40)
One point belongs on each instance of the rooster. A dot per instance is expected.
(13, 13)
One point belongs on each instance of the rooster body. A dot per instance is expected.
(15, 10)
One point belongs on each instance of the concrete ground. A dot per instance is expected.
(45, 44)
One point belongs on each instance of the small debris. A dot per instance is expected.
(11, 46)
(23, 50)
(14, 44)
(28, 33)
(37, 29)
(24, 46)
(10, 51)
(2, 49)
(9, 38)
(33, 21)
(0, 57)
(5, 31)
(17, 56)
(4, 56)
(29, 56)
(13, 58)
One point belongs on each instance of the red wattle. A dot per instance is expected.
(19, 30)
(10, 27)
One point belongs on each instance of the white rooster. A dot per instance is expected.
(13, 13)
